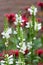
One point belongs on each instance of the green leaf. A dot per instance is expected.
(37, 43)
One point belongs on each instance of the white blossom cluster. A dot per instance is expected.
(9, 60)
(37, 26)
(6, 34)
(18, 19)
(32, 10)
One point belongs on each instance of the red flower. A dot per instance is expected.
(40, 4)
(40, 63)
(39, 52)
(26, 51)
(10, 17)
(13, 52)
(25, 19)
(16, 53)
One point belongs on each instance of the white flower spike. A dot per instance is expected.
(7, 33)
(32, 10)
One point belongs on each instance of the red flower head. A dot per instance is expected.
(13, 52)
(40, 4)
(26, 51)
(16, 53)
(25, 19)
(10, 17)
(39, 52)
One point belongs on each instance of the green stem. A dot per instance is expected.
(32, 31)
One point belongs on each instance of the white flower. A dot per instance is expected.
(21, 29)
(18, 19)
(32, 10)
(18, 46)
(10, 59)
(11, 56)
(20, 62)
(6, 44)
(37, 26)
(29, 45)
(15, 32)
(15, 23)
(34, 38)
(29, 53)
(2, 62)
(17, 62)
(23, 48)
(7, 33)
(27, 25)
(19, 38)
(23, 39)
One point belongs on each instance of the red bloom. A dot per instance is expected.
(40, 63)
(39, 52)
(26, 51)
(40, 4)
(13, 52)
(25, 19)
(16, 53)
(10, 17)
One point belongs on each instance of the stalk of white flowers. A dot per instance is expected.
(6, 43)
(2, 62)
(27, 25)
(29, 45)
(15, 32)
(37, 26)
(23, 48)
(8, 61)
(18, 19)
(7, 33)
(20, 44)
(32, 10)
(19, 63)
